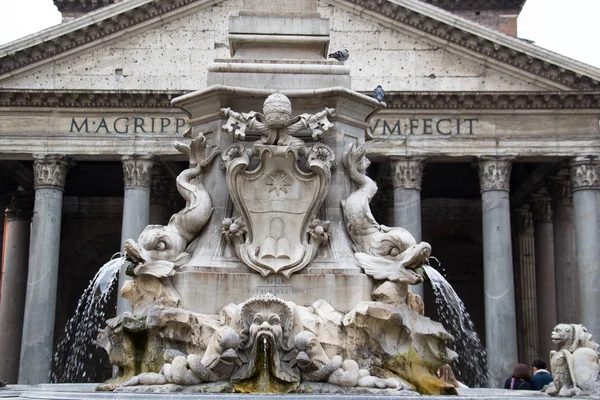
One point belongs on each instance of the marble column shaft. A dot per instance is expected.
(500, 314)
(585, 176)
(408, 174)
(528, 337)
(541, 206)
(137, 177)
(567, 285)
(14, 285)
(42, 277)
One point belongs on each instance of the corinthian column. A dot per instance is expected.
(50, 172)
(408, 173)
(528, 342)
(14, 284)
(500, 316)
(585, 176)
(541, 207)
(567, 286)
(137, 176)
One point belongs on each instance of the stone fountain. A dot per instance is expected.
(275, 277)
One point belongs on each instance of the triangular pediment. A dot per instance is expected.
(404, 45)
(449, 50)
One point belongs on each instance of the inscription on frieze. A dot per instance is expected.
(442, 126)
(127, 125)
(276, 286)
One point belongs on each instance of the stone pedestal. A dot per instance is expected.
(284, 48)
(528, 329)
(214, 261)
(585, 176)
(137, 176)
(408, 173)
(500, 315)
(15, 254)
(567, 285)
(38, 325)
(541, 206)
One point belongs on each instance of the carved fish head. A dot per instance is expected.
(390, 243)
(311, 355)
(158, 250)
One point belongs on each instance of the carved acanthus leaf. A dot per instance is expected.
(585, 173)
(494, 173)
(137, 171)
(408, 172)
(50, 171)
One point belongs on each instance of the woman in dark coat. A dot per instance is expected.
(520, 379)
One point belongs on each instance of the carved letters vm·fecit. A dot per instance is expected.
(438, 126)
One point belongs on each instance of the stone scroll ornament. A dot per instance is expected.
(276, 229)
(160, 249)
(385, 253)
(576, 364)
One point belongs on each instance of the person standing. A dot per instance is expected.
(520, 379)
(541, 376)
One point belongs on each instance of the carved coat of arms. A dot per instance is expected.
(276, 230)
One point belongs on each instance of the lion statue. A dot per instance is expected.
(575, 366)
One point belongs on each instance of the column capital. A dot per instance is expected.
(137, 170)
(50, 171)
(541, 207)
(494, 172)
(20, 206)
(559, 187)
(524, 220)
(408, 171)
(585, 172)
(160, 186)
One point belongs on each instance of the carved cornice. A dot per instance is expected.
(524, 220)
(494, 172)
(560, 187)
(457, 5)
(493, 100)
(88, 99)
(585, 173)
(137, 171)
(541, 207)
(578, 100)
(50, 171)
(408, 172)
(82, 5)
(99, 29)
(519, 55)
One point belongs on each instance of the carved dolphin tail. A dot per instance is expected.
(356, 164)
(190, 221)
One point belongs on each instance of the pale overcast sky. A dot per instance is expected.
(568, 27)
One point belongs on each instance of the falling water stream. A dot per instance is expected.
(471, 366)
(77, 346)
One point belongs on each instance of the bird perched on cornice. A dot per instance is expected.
(378, 93)
(340, 55)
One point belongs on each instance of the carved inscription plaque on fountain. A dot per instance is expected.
(207, 292)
